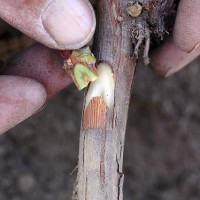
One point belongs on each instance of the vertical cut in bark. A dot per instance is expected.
(100, 174)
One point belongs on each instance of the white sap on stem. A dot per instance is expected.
(103, 86)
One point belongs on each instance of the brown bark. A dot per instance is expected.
(102, 135)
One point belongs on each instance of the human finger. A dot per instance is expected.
(19, 99)
(168, 59)
(187, 26)
(60, 24)
(42, 64)
(184, 46)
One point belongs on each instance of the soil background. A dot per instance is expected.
(162, 151)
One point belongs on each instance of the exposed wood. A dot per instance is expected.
(95, 114)
(100, 173)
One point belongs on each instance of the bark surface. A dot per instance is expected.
(100, 174)
(102, 136)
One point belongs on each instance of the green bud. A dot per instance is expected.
(83, 75)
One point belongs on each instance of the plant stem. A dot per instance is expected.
(102, 135)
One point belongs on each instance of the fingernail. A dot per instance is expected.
(171, 71)
(71, 23)
(41, 108)
(186, 58)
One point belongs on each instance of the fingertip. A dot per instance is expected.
(58, 24)
(70, 23)
(19, 99)
(42, 64)
(187, 26)
(168, 59)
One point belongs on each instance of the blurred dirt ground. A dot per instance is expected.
(162, 152)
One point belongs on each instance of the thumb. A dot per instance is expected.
(60, 24)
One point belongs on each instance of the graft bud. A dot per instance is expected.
(80, 66)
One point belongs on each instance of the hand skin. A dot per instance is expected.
(184, 45)
(31, 77)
